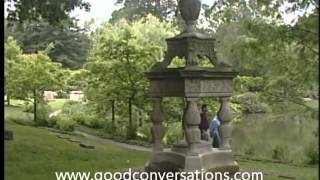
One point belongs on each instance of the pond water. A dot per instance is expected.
(282, 136)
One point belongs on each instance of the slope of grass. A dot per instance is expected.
(36, 154)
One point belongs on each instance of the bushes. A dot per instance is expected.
(173, 133)
(279, 152)
(28, 108)
(42, 115)
(91, 121)
(312, 153)
(250, 104)
(62, 122)
(247, 83)
(21, 119)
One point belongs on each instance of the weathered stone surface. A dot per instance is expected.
(213, 161)
(191, 82)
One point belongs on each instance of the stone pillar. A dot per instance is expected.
(191, 120)
(224, 116)
(157, 118)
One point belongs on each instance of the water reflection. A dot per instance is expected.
(258, 135)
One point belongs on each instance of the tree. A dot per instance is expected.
(136, 9)
(116, 65)
(221, 12)
(71, 45)
(12, 56)
(285, 56)
(31, 74)
(54, 12)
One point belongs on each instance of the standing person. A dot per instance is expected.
(214, 132)
(204, 124)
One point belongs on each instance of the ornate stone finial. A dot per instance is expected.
(190, 10)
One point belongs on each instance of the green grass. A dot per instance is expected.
(35, 154)
(57, 104)
(13, 113)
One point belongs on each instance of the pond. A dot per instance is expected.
(287, 137)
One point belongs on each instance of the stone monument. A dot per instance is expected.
(191, 82)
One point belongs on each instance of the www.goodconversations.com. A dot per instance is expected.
(129, 175)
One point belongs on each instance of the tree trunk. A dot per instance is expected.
(8, 100)
(35, 105)
(140, 118)
(112, 113)
(130, 130)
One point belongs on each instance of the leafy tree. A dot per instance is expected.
(221, 12)
(54, 12)
(136, 9)
(12, 56)
(29, 75)
(71, 45)
(286, 57)
(116, 65)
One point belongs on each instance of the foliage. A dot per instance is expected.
(64, 123)
(43, 111)
(31, 74)
(283, 57)
(279, 152)
(223, 12)
(17, 116)
(247, 83)
(70, 45)
(312, 152)
(250, 103)
(117, 62)
(173, 133)
(12, 57)
(54, 12)
(137, 9)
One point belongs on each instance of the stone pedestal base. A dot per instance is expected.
(214, 161)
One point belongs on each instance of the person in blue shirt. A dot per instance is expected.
(214, 132)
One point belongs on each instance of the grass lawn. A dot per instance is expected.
(35, 154)
(57, 104)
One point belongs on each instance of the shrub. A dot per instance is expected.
(279, 152)
(248, 83)
(64, 123)
(131, 132)
(250, 103)
(79, 117)
(25, 120)
(42, 115)
(71, 107)
(249, 150)
(173, 133)
(52, 121)
(144, 132)
(312, 153)
(93, 121)
(27, 108)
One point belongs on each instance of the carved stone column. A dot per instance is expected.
(157, 118)
(191, 120)
(224, 116)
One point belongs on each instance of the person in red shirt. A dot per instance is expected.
(204, 124)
